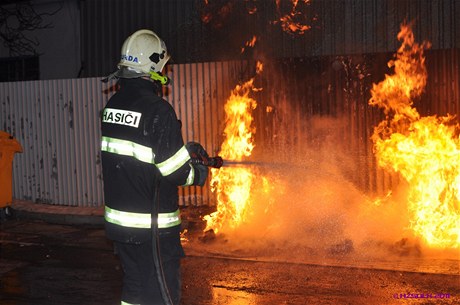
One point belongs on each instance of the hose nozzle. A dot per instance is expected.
(215, 162)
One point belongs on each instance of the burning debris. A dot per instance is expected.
(342, 248)
(406, 247)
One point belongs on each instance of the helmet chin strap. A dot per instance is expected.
(164, 80)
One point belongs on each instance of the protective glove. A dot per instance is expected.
(198, 154)
(196, 151)
(201, 174)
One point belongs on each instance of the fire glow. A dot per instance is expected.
(232, 185)
(250, 43)
(288, 23)
(425, 151)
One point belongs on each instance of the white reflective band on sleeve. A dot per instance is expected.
(169, 166)
(191, 176)
(125, 303)
(141, 220)
(128, 148)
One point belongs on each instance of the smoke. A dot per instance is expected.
(309, 202)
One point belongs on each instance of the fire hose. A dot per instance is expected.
(215, 162)
(156, 247)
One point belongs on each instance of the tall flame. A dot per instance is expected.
(424, 150)
(233, 184)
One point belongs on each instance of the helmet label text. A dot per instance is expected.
(129, 58)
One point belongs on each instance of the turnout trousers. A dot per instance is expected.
(140, 280)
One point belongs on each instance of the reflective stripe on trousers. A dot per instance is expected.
(141, 220)
(125, 303)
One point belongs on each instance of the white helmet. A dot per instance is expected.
(144, 52)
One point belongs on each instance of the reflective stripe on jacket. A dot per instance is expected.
(141, 220)
(145, 154)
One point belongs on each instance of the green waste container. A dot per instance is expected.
(8, 147)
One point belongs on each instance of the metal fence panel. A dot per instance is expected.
(57, 123)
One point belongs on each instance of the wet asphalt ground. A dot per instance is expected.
(53, 262)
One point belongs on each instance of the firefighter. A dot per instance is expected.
(144, 160)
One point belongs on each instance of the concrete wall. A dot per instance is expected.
(58, 46)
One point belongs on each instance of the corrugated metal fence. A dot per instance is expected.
(57, 123)
(308, 109)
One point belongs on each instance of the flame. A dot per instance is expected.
(259, 69)
(424, 150)
(287, 21)
(183, 237)
(252, 10)
(232, 185)
(381, 200)
(250, 43)
(208, 16)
